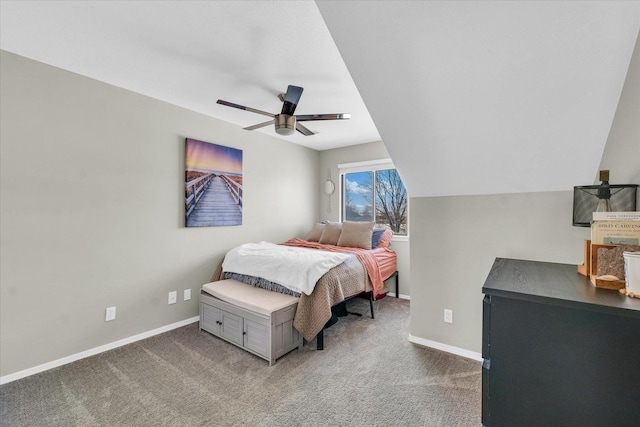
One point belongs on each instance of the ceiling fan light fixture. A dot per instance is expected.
(285, 125)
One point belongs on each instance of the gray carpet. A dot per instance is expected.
(368, 375)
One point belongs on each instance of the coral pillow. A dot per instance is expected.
(385, 240)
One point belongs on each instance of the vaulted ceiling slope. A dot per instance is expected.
(191, 53)
(484, 97)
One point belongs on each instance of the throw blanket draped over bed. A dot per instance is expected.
(365, 256)
(298, 270)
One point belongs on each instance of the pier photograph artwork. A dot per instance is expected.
(213, 184)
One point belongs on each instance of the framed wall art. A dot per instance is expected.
(213, 184)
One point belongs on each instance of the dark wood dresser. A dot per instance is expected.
(557, 351)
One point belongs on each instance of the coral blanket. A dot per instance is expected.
(365, 256)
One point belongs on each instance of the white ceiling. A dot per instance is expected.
(192, 53)
(476, 97)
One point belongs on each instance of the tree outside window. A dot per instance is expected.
(378, 196)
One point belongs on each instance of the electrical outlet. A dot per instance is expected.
(448, 315)
(110, 314)
(173, 297)
(187, 294)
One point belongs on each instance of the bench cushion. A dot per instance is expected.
(249, 297)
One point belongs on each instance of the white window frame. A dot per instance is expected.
(369, 166)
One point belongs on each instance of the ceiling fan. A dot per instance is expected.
(286, 123)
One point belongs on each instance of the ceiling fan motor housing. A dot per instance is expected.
(285, 124)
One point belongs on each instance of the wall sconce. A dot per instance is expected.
(605, 197)
(329, 188)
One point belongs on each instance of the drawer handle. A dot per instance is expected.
(244, 332)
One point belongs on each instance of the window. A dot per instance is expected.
(373, 191)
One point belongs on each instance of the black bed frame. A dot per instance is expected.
(320, 336)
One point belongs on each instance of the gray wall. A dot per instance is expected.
(92, 206)
(330, 159)
(454, 240)
(453, 245)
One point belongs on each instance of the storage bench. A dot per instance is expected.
(255, 319)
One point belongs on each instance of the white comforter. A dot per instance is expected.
(295, 268)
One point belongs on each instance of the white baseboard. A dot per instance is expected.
(93, 351)
(446, 347)
(402, 296)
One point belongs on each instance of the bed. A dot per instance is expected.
(362, 271)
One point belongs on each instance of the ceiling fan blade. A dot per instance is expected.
(310, 117)
(303, 130)
(259, 125)
(242, 107)
(291, 99)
